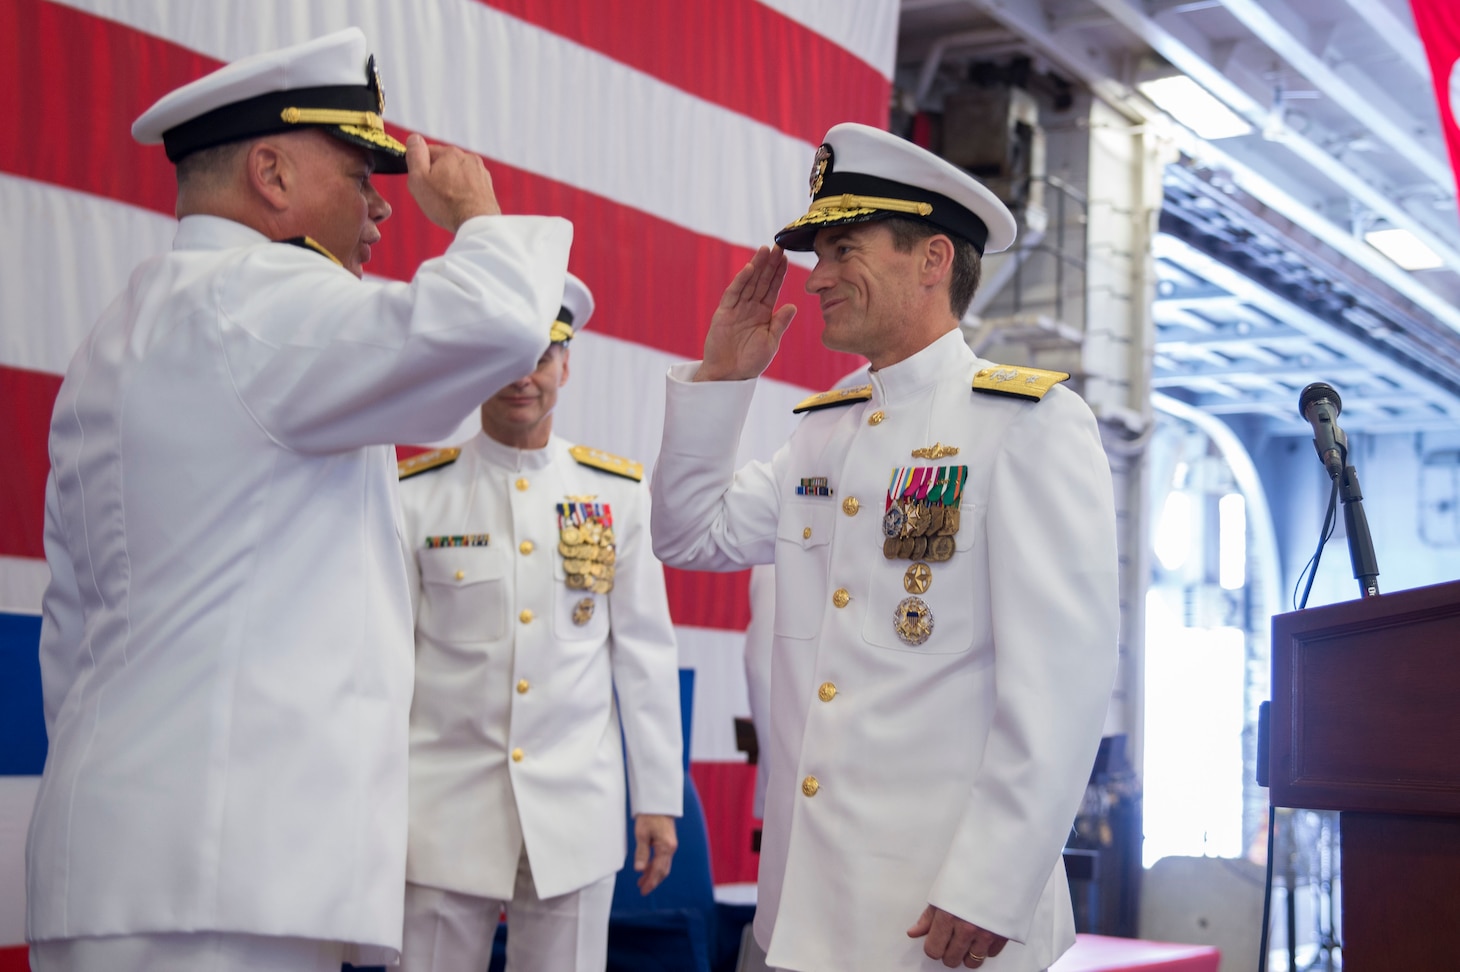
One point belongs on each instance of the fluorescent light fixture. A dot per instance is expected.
(1404, 248)
(1193, 106)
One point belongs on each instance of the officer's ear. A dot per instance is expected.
(937, 260)
(563, 375)
(268, 171)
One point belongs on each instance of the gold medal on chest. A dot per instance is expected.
(586, 543)
(917, 578)
(922, 505)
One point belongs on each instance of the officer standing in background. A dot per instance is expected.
(946, 608)
(542, 630)
(225, 639)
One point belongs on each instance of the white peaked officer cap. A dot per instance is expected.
(573, 315)
(329, 83)
(861, 174)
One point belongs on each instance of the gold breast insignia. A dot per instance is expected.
(913, 621)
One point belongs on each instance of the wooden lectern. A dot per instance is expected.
(1366, 720)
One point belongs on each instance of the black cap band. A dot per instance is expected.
(946, 215)
(262, 115)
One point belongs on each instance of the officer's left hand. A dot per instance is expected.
(955, 941)
(655, 841)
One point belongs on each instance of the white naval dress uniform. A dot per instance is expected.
(947, 772)
(515, 728)
(225, 641)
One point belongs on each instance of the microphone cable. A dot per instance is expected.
(1310, 569)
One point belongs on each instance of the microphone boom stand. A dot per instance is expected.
(1356, 525)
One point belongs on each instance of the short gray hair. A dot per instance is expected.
(967, 262)
(208, 165)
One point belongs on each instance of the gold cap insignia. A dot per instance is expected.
(819, 167)
(372, 78)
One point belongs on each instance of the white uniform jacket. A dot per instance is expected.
(947, 772)
(515, 727)
(226, 638)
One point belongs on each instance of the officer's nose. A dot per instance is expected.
(820, 279)
(379, 209)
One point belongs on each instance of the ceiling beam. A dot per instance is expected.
(1394, 32)
(1030, 21)
(1259, 18)
(1279, 308)
(1333, 374)
(1184, 56)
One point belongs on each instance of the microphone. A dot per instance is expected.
(1320, 405)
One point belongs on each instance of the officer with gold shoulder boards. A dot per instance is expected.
(542, 627)
(946, 609)
(225, 642)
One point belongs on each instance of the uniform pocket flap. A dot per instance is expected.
(807, 525)
(459, 566)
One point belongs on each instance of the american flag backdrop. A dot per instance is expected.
(676, 134)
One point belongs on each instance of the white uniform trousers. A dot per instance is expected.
(186, 952)
(450, 932)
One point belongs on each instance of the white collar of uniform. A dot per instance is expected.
(917, 373)
(494, 453)
(214, 233)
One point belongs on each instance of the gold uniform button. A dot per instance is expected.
(841, 598)
(526, 616)
(806, 534)
(516, 755)
(522, 485)
(850, 506)
(810, 785)
(461, 575)
(525, 546)
(522, 687)
(827, 692)
(876, 417)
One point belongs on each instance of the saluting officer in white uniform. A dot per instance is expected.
(226, 638)
(544, 657)
(946, 609)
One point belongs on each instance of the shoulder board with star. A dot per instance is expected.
(426, 461)
(1030, 383)
(309, 243)
(833, 398)
(607, 462)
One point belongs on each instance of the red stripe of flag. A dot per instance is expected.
(656, 283)
(26, 399)
(776, 71)
(1438, 25)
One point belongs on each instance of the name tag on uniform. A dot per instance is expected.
(459, 540)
